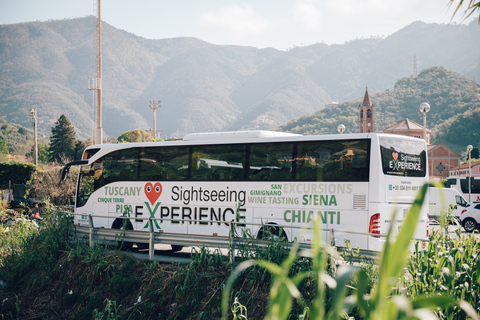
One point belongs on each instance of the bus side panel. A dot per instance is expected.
(352, 221)
(216, 220)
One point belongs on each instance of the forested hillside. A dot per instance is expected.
(17, 138)
(205, 87)
(454, 117)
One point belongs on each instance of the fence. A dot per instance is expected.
(150, 237)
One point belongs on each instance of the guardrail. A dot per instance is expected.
(99, 235)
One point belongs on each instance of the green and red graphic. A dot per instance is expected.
(153, 192)
(395, 160)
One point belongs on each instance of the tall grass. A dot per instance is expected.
(49, 263)
(389, 298)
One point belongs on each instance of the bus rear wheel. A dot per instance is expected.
(271, 232)
(176, 248)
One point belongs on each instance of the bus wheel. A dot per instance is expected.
(271, 232)
(176, 248)
(143, 246)
(121, 243)
(469, 224)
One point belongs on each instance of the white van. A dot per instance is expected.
(452, 199)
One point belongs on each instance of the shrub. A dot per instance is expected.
(15, 173)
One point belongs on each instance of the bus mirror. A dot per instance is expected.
(66, 168)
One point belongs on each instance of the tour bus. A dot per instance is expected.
(261, 180)
(461, 185)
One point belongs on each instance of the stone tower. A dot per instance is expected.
(366, 114)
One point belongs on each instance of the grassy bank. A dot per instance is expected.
(50, 274)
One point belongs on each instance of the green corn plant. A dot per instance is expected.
(284, 288)
(385, 301)
(383, 304)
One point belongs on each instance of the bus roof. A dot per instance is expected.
(237, 135)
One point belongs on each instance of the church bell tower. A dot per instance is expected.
(366, 114)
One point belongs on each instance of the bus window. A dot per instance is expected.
(402, 157)
(344, 160)
(218, 162)
(474, 184)
(163, 164)
(270, 162)
(85, 184)
(120, 165)
(450, 182)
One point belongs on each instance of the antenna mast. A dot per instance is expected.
(415, 65)
(96, 83)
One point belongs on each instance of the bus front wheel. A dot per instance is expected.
(121, 225)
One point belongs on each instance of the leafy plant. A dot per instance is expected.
(387, 300)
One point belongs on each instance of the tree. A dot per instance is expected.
(62, 141)
(43, 153)
(475, 153)
(472, 6)
(79, 147)
(3, 146)
(135, 136)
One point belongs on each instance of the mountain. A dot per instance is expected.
(453, 116)
(205, 87)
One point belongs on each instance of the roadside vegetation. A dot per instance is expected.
(47, 272)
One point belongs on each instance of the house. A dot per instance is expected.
(409, 128)
(441, 159)
(462, 170)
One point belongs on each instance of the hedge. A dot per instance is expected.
(16, 173)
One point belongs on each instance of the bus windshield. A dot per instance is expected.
(402, 157)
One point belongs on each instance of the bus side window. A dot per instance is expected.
(218, 162)
(271, 162)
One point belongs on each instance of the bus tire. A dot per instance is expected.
(143, 246)
(176, 248)
(469, 224)
(121, 244)
(271, 231)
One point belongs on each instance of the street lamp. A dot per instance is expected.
(469, 149)
(424, 108)
(341, 128)
(34, 115)
(154, 105)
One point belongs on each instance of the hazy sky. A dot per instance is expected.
(261, 23)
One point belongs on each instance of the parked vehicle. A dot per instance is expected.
(452, 200)
(261, 180)
(470, 217)
(461, 184)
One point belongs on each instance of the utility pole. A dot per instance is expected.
(34, 115)
(154, 106)
(96, 83)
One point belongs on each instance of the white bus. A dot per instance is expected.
(461, 185)
(196, 186)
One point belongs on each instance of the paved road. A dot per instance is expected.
(452, 230)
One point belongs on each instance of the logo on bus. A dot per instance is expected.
(153, 191)
(395, 160)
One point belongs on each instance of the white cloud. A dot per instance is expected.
(307, 13)
(240, 21)
(363, 7)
